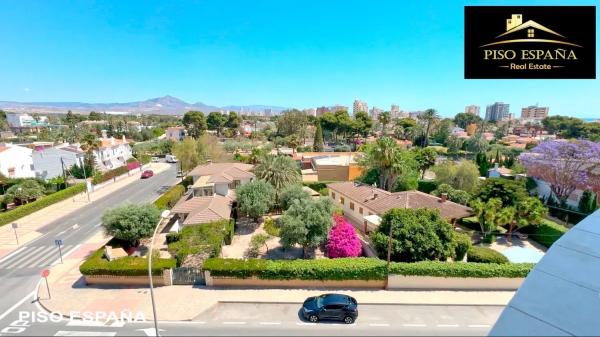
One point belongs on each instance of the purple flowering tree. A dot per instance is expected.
(343, 240)
(565, 166)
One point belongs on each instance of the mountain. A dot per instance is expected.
(166, 105)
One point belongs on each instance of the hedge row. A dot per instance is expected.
(170, 197)
(318, 186)
(321, 269)
(546, 233)
(461, 269)
(108, 175)
(23, 210)
(485, 255)
(96, 264)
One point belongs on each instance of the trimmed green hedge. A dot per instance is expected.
(427, 186)
(321, 269)
(23, 210)
(463, 244)
(96, 264)
(205, 238)
(170, 197)
(108, 175)
(319, 186)
(485, 255)
(461, 269)
(546, 233)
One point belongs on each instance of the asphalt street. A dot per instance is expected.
(20, 271)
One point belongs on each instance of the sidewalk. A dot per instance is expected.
(30, 225)
(180, 303)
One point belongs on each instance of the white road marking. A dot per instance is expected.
(447, 325)
(75, 226)
(116, 324)
(84, 333)
(34, 252)
(98, 225)
(11, 309)
(478, 325)
(411, 325)
(234, 323)
(11, 254)
(66, 254)
(269, 323)
(379, 324)
(61, 233)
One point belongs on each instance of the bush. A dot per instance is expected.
(173, 237)
(427, 186)
(461, 269)
(463, 243)
(342, 148)
(545, 233)
(196, 239)
(96, 264)
(343, 240)
(291, 193)
(485, 255)
(270, 226)
(256, 242)
(131, 222)
(229, 232)
(321, 269)
(170, 197)
(23, 210)
(100, 178)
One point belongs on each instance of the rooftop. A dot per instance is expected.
(204, 209)
(223, 172)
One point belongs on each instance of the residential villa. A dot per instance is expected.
(212, 194)
(329, 166)
(365, 204)
(22, 122)
(49, 162)
(16, 161)
(112, 153)
(176, 133)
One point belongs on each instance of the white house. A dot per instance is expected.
(220, 178)
(16, 161)
(49, 162)
(112, 153)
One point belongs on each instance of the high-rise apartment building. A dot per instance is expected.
(534, 112)
(472, 109)
(338, 107)
(375, 111)
(497, 112)
(395, 111)
(359, 106)
(322, 110)
(268, 112)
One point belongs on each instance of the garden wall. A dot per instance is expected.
(254, 282)
(452, 283)
(165, 279)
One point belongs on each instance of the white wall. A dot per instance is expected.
(18, 158)
(222, 188)
(355, 214)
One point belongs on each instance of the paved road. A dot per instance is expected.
(19, 272)
(277, 320)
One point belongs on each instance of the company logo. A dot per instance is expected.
(530, 42)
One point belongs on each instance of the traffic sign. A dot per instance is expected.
(45, 272)
(58, 242)
(14, 225)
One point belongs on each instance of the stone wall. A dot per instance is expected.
(453, 283)
(164, 280)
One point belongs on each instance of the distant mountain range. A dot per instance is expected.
(166, 105)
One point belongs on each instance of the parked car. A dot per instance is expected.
(171, 158)
(147, 174)
(336, 307)
(155, 159)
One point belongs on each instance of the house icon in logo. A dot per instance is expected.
(528, 32)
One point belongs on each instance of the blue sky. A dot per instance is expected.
(289, 53)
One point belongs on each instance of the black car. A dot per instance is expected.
(337, 307)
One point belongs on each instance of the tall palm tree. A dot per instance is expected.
(429, 116)
(89, 144)
(279, 171)
(385, 156)
(384, 118)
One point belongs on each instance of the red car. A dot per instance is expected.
(147, 174)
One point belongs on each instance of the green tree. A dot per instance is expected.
(417, 235)
(318, 144)
(292, 122)
(388, 159)
(442, 131)
(463, 119)
(187, 153)
(255, 198)
(195, 122)
(279, 171)
(95, 116)
(291, 193)
(454, 145)
(306, 222)
(90, 144)
(528, 212)
(588, 202)
(509, 192)
(3, 122)
(462, 176)
(131, 222)
(384, 119)
(429, 116)
(363, 123)
(487, 213)
(233, 120)
(405, 128)
(425, 159)
(477, 143)
(330, 124)
(24, 192)
(216, 121)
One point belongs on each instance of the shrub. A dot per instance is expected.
(343, 241)
(485, 255)
(100, 178)
(173, 237)
(229, 232)
(291, 193)
(170, 197)
(131, 222)
(256, 242)
(322, 269)
(96, 264)
(197, 239)
(270, 226)
(318, 186)
(255, 198)
(427, 186)
(342, 148)
(23, 210)
(545, 233)
(463, 243)
(461, 269)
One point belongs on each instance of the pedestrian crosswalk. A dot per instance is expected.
(34, 257)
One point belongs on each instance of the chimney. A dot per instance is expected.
(444, 197)
(496, 166)
(375, 195)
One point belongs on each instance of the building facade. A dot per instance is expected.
(497, 112)
(176, 133)
(375, 112)
(472, 109)
(112, 153)
(359, 105)
(16, 161)
(534, 112)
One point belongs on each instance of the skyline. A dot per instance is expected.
(293, 54)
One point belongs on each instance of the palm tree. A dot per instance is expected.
(384, 118)
(89, 144)
(429, 116)
(279, 171)
(385, 156)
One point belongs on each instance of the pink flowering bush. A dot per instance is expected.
(343, 240)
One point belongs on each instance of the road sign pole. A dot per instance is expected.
(60, 253)
(15, 226)
(45, 274)
(48, 288)
(58, 243)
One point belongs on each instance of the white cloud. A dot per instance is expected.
(26, 89)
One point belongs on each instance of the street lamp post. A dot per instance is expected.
(163, 215)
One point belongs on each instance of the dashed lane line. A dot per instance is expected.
(269, 323)
(414, 325)
(448, 325)
(379, 324)
(234, 323)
